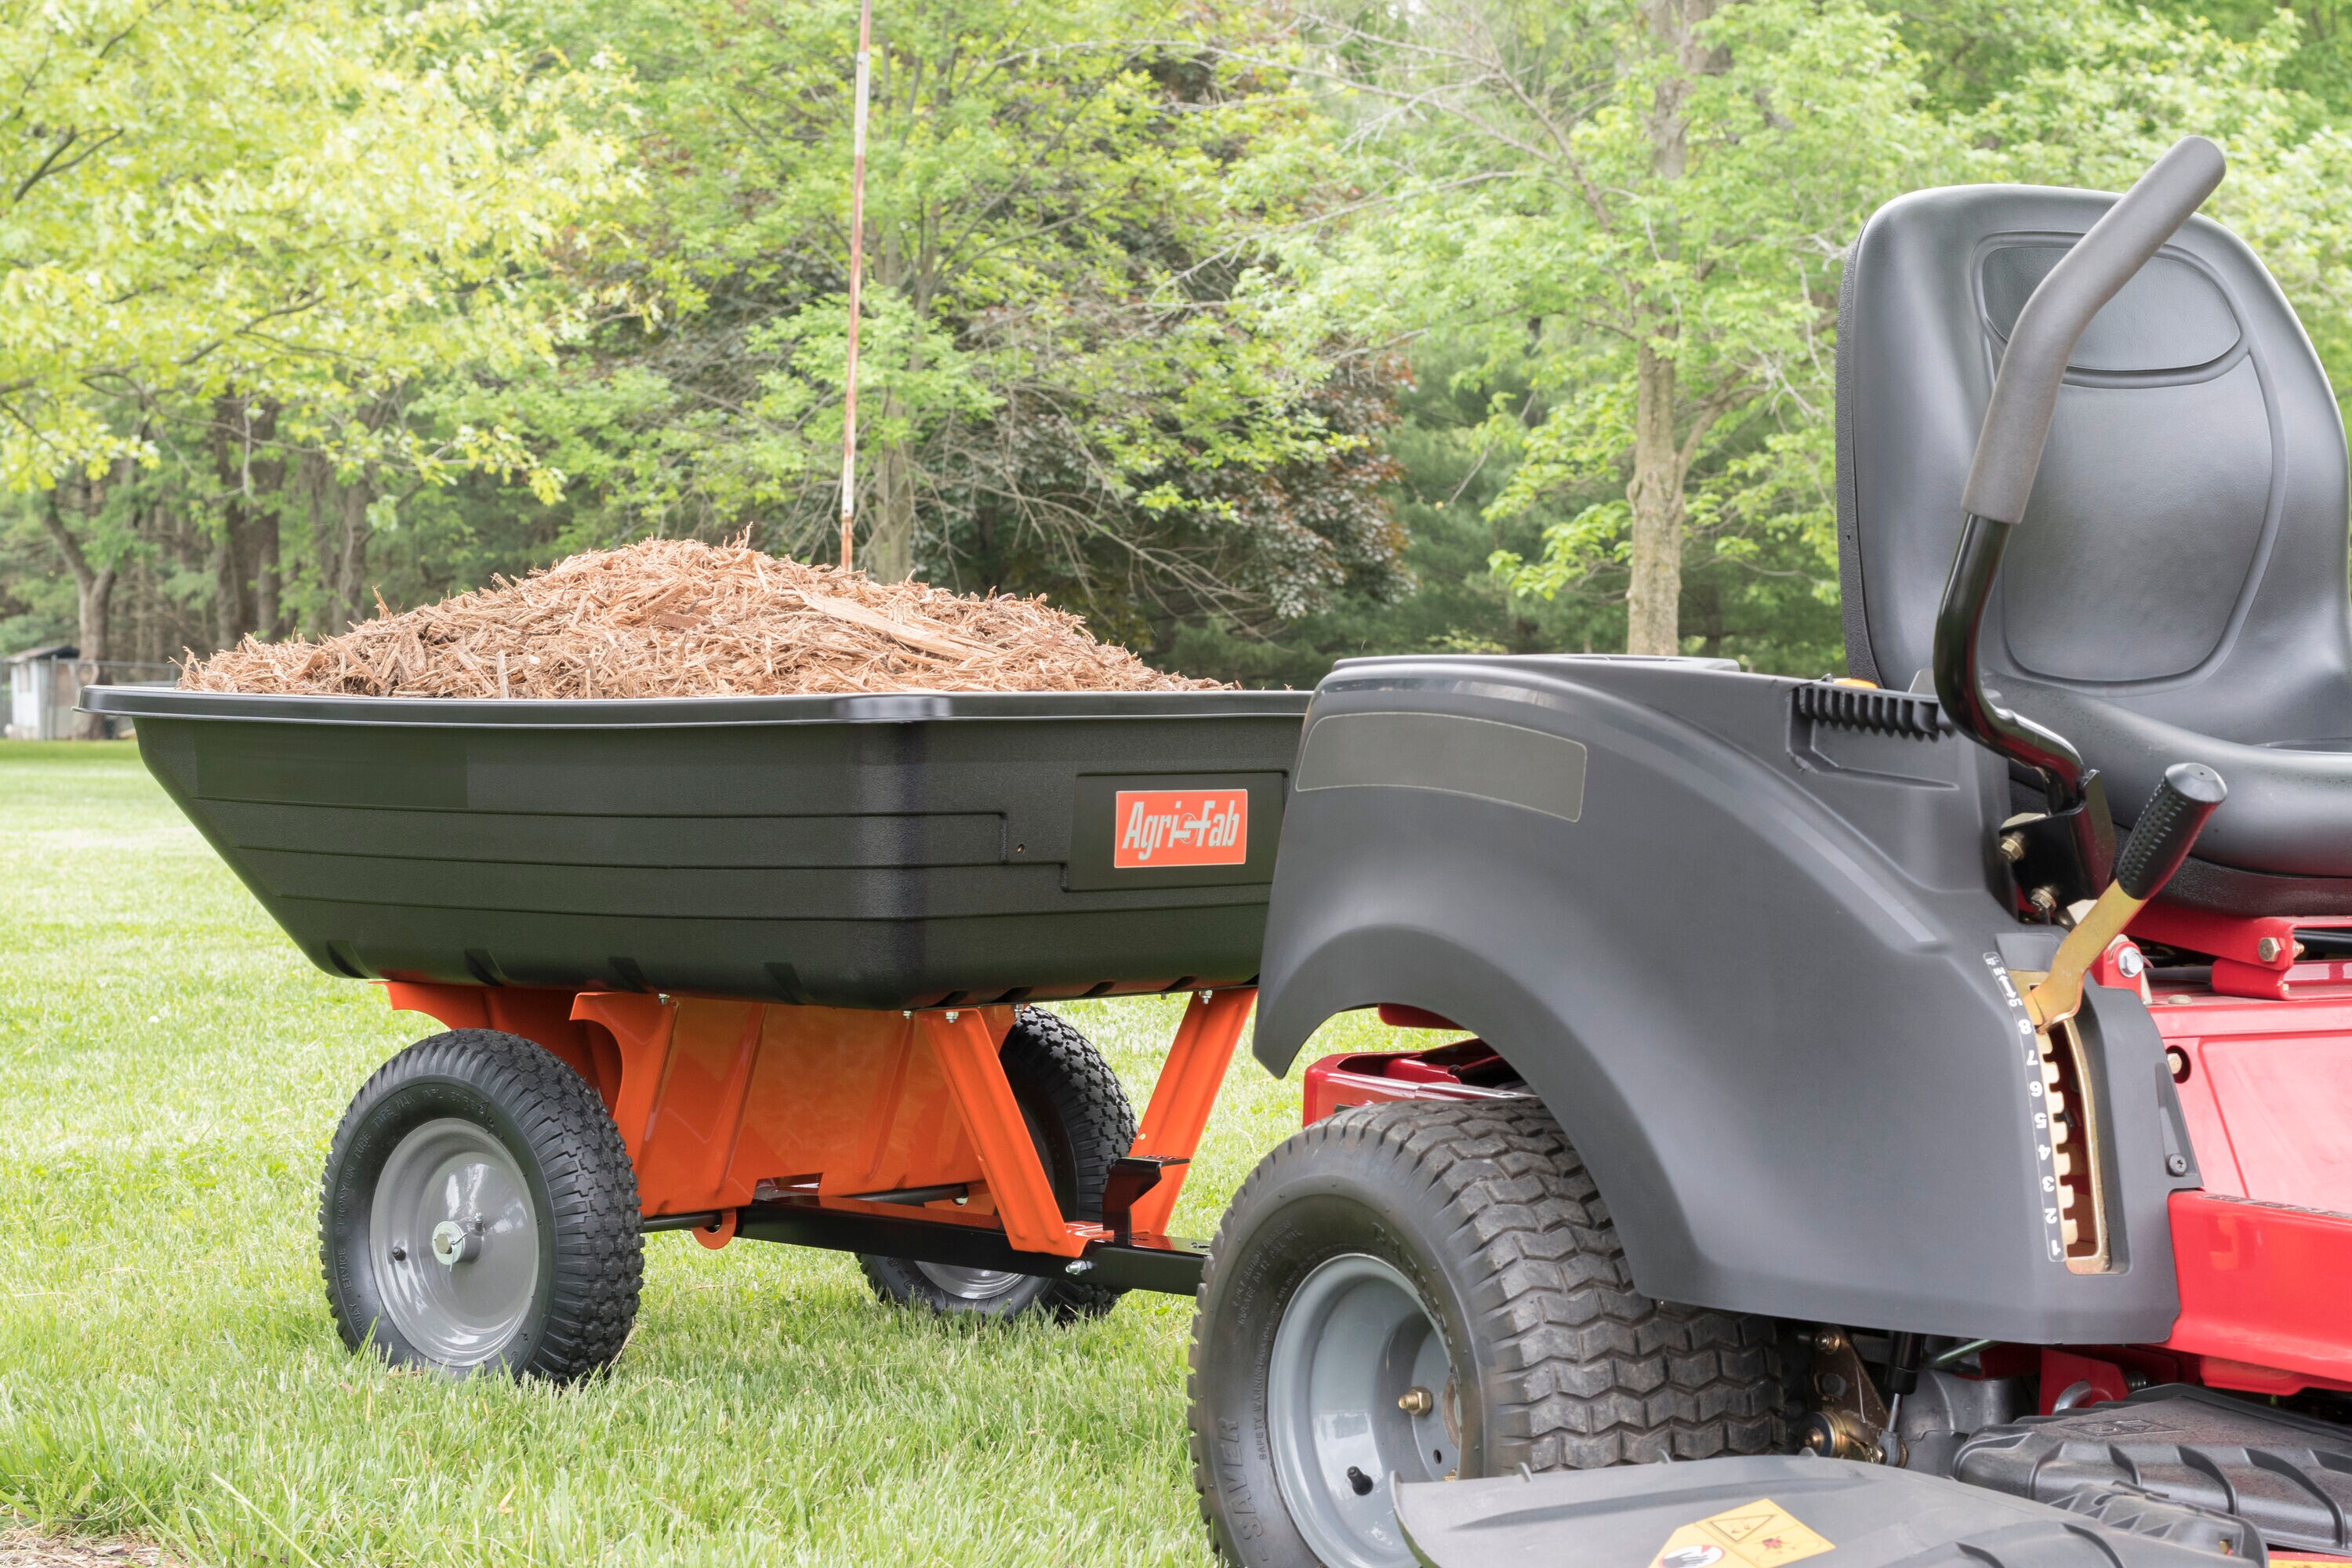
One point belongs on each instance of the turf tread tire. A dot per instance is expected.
(595, 1252)
(1056, 1073)
(1586, 1371)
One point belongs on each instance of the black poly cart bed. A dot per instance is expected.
(906, 850)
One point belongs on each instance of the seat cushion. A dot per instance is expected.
(2290, 809)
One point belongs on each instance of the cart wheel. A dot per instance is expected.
(479, 1212)
(1082, 1123)
(1426, 1290)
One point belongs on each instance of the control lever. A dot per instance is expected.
(2160, 841)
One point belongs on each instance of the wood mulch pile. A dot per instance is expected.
(674, 617)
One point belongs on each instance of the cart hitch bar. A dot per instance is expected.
(1129, 1262)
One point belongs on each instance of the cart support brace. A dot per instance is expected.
(1172, 1129)
(1000, 1133)
(1185, 1094)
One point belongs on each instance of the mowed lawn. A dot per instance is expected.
(171, 1071)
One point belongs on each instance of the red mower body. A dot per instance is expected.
(2265, 1253)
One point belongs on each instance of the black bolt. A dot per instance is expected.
(1360, 1482)
(2177, 1163)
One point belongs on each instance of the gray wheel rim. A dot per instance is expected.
(1354, 1344)
(454, 1243)
(971, 1284)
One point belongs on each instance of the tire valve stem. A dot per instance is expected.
(1416, 1402)
(399, 1252)
(1360, 1482)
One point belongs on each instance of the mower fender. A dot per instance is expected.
(1765, 998)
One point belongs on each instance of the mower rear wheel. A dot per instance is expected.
(1428, 1289)
(478, 1212)
(1081, 1122)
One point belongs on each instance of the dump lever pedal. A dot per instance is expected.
(2160, 841)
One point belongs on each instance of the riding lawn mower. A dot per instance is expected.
(1903, 1116)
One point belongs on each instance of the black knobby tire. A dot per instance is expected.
(571, 1262)
(1081, 1120)
(1552, 1359)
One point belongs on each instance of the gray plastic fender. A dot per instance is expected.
(1755, 966)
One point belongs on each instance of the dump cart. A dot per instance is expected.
(752, 967)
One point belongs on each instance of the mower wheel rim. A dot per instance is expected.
(457, 1306)
(968, 1284)
(1359, 1390)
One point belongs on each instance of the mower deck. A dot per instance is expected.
(2287, 1475)
(1770, 1510)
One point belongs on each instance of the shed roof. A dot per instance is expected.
(46, 650)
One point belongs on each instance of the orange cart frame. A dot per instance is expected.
(894, 1133)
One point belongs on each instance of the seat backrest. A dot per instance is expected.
(2184, 553)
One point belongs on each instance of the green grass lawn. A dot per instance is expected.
(171, 1071)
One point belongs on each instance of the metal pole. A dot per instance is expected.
(856, 271)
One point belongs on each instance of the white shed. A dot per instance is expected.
(44, 684)
(43, 687)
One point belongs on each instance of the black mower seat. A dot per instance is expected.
(2177, 591)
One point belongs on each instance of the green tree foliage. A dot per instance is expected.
(1641, 209)
(1065, 382)
(226, 227)
(2117, 87)
(1263, 331)
(1625, 222)
(216, 195)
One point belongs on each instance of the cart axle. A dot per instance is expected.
(1140, 1262)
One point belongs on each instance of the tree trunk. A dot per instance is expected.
(890, 546)
(352, 550)
(267, 587)
(1674, 24)
(229, 623)
(232, 619)
(247, 582)
(93, 605)
(339, 541)
(888, 554)
(1653, 597)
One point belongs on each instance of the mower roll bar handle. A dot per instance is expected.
(2009, 454)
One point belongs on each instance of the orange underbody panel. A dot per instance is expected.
(716, 1098)
(713, 1097)
(545, 1017)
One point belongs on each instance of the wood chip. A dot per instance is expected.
(857, 614)
(676, 617)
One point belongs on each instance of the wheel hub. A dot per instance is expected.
(970, 1284)
(458, 1241)
(1361, 1390)
(455, 1243)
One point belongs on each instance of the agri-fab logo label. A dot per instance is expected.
(1181, 828)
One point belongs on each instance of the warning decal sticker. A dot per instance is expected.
(1156, 828)
(1760, 1534)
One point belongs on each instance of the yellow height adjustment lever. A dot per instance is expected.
(2160, 841)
